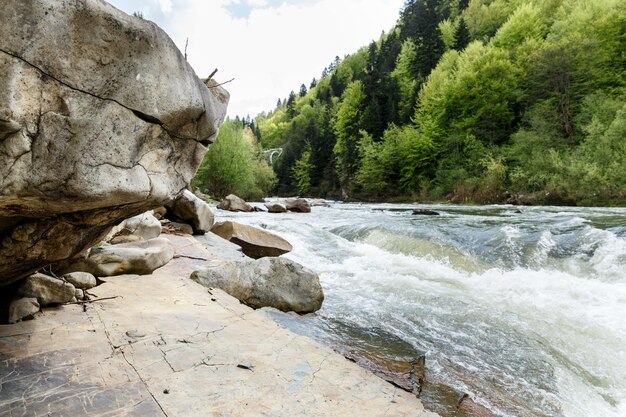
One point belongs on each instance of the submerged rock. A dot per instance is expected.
(424, 212)
(101, 118)
(140, 258)
(22, 308)
(255, 243)
(234, 203)
(269, 282)
(47, 290)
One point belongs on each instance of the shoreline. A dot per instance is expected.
(168, 346)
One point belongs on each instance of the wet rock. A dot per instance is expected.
(298, 205)
(468, 407)
(22, 309)
(319, 202)
(82, 280)
(101, 118)
(255, 243)
(191, 210)
(269, 282)
(424, 212)
(276, 208)
(140, 258)
(234, 203)
(47, 290)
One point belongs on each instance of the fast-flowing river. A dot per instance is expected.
(522, 308)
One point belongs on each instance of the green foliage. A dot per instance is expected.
(347, 129)
(463, 100)
(234, 165)
(448, 33)
(302, 171)
(407, 84)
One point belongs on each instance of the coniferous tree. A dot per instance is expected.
(461, 36)
(303, 90)
(291, 103)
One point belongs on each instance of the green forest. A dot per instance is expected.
(463, 101)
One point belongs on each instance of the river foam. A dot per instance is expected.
(524, 311)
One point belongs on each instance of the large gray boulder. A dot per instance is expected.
(193, 211)
(47, 290)
(101, 118)
(255, 243)
(140, 258)
(269, 282)
(233, 203)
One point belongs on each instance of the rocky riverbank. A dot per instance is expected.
(161, 344)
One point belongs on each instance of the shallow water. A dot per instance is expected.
(523, 310)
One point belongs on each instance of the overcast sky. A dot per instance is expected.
(270, 47)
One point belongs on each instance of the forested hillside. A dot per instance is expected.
(466, 101)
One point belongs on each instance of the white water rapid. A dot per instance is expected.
(522, 308)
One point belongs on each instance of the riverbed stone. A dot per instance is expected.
(192, 210)
(82, 280)
(128, 258)
(255, 243)
(233, 203)
(276, 208)
(298, 205)
(101, 118)
(145, 225)
(22, 308)
(268, 282)
(46, 289)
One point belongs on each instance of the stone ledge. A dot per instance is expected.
(169, 346)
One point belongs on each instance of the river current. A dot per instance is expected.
(522, 308)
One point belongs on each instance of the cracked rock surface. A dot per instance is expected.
(101, 118)
(172, 347)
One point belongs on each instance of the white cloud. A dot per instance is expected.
(257, 3)
(165, 6)
(276, 48)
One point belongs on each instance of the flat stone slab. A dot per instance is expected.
(168, 346)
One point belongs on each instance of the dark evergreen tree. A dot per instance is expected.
(303, 90)
(291, 103)
(462, 36)
(420, 21)
(313, 83)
